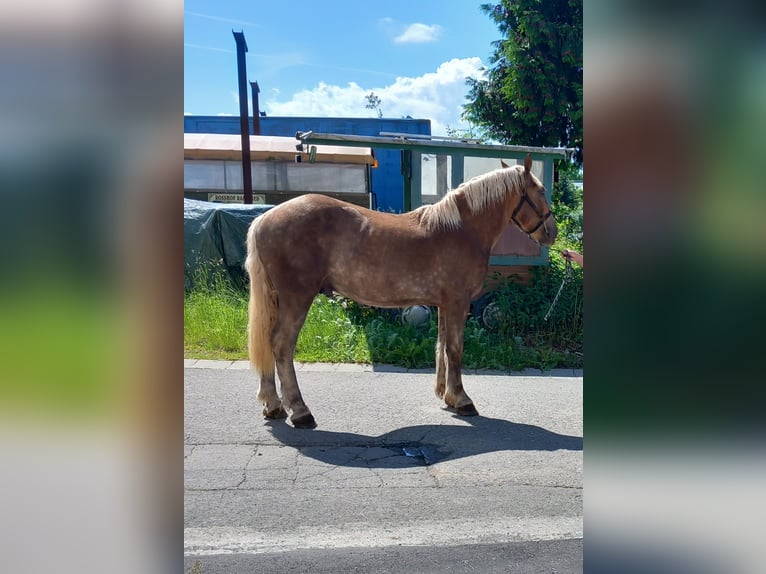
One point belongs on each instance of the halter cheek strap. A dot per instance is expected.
(543, 217)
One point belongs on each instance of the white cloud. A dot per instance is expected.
(438, 96)
(419, 33)
(323, 101)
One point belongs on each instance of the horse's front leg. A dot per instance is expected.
(454, 328)
(441, 358)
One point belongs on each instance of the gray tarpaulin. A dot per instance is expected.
(214, 236)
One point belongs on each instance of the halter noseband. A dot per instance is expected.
(543, 217)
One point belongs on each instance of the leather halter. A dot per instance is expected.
(543, 217)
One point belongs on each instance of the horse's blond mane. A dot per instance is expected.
(480, 193)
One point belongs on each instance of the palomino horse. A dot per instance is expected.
(435, 255)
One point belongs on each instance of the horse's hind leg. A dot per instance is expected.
(267, 394)
(291, 316)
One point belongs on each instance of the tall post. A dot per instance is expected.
(256, 109)
(247, 177)
(441, 176)
(407, 173)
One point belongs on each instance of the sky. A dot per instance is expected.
(315, 58)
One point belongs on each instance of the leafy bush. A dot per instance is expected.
(567, 206)
(520, 309)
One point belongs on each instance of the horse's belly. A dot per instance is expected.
(386, 287)
(389, 300)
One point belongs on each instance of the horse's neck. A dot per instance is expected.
(487, 225)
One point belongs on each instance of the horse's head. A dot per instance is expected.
(531, 212)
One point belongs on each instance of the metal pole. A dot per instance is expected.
(247, 178)
(256, 109)
(407, 174)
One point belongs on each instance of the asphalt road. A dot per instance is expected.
(389, 481)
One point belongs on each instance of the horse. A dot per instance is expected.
(435, 255)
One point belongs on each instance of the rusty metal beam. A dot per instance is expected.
(256, 109)
(247, 177)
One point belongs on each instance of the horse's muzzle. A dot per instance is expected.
(546, 231)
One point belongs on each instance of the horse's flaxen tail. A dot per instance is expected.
(262, 311)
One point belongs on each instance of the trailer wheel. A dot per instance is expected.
(488, 312)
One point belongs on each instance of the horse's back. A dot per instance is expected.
(309, 218)
(319, 217)
(301, 237)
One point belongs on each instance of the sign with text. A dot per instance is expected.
(258, 199)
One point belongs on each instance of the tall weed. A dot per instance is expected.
(215, 318)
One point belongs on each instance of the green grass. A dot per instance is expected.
(330, 336)
(340, 331)
(215, 320)
(215, 327)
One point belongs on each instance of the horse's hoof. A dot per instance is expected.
(304, 421)
(279, 413)
(467, 410)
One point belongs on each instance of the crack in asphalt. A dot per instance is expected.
(193, 447)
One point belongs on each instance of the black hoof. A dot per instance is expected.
(279, 413)
(467, 410)
(304, 422)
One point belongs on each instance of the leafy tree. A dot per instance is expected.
(532, 94)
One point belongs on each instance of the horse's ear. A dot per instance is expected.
(505, 165)
(528, 163)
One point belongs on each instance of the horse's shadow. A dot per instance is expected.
(422, 444)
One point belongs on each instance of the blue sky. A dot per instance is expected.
(322, 58)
